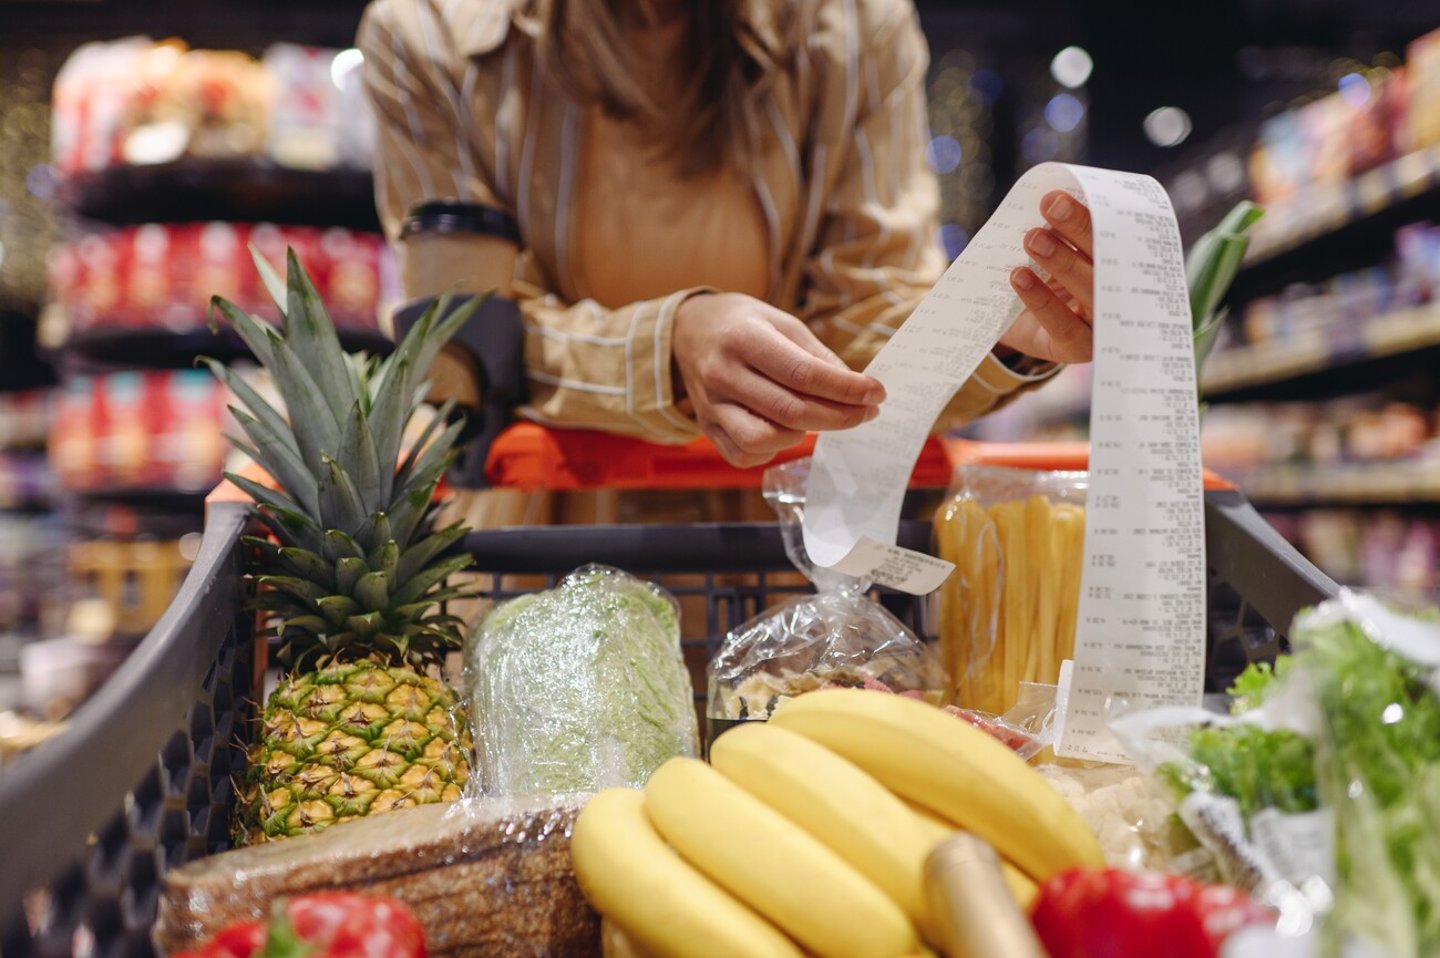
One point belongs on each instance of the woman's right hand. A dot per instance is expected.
(759, 379)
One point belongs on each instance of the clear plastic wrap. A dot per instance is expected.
(484, 877)
(1321, 794)
(838, 636)
(1007, 613)
(579, 688)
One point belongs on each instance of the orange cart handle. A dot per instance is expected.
(530, 457)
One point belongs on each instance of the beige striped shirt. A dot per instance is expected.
(850, 209)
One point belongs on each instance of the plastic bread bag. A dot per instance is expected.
(1321, 794)
(580, 687)
(483, 877)
(837, 636)
(1007, 612)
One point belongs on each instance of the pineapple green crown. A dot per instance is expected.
(357, 570)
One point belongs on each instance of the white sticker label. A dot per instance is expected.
(1300, 846)
(1141, 630)
(917, 573)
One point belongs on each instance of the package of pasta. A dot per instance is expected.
(838, 636)
(1008, 611)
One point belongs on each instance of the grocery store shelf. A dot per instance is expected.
(1398, 483)
(250, 191)
(1393, 334)
(1341, 227)
(1326, 210)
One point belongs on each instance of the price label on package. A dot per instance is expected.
(1141, 630)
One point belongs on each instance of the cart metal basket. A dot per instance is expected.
(141, 780)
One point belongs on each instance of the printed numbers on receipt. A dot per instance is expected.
(1140, 638)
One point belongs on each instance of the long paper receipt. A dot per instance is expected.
(1141, 630)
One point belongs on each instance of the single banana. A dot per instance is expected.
(854, 815)
(937, 830)
(760, 857)
(951, 768)
(664, 905)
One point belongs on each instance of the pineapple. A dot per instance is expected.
(354, 576)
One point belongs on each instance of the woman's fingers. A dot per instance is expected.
(1068, 337)
(759, 379)
(1070, 219)
(1065, 264)
(791, 410)
(800, 371)
(745, 439)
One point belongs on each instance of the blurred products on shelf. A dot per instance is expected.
(1338, 309)
(25, 418)
(140, 431)
(32, 587)
(160, 277)
(138, 102)
(134, 580)
(25, 481)
(59, 673)
(1389, 551)
(1354, 429)
(1376, 115)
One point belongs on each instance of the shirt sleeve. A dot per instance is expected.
(586, 366)
(877, 249)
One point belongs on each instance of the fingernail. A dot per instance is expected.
(1022, 278)
(872, 413)
(1040, 243)
(1061, 208)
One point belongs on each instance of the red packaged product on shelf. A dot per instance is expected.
(159, 430)
(162, 276)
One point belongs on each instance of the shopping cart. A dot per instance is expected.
(141, 780)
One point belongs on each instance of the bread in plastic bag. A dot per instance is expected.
(838, 636)
(1008, 611)
(487, 878)
(580, 687)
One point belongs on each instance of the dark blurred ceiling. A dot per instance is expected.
(1225, 62)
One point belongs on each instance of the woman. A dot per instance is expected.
(723, 206)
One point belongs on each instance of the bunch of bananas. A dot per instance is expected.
(809, 834)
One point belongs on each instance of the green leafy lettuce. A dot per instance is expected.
(1258, 767)
(1379, 767)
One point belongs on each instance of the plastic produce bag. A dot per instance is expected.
(1007, 612)
(1321, 794)
(838, 636)
(580, 687)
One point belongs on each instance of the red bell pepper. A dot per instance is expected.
(1088, 913)
(322, 925)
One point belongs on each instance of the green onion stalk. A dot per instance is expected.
(1210, 268)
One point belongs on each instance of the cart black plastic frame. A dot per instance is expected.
(139, 780)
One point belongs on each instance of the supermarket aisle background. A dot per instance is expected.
(122, 210)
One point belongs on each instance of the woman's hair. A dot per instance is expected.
(584, 47)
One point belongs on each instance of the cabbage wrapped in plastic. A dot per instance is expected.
(580, 687)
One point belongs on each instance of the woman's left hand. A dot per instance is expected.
(1056, 323)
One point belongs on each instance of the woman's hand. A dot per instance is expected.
(1056, 322)
(759, 379)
